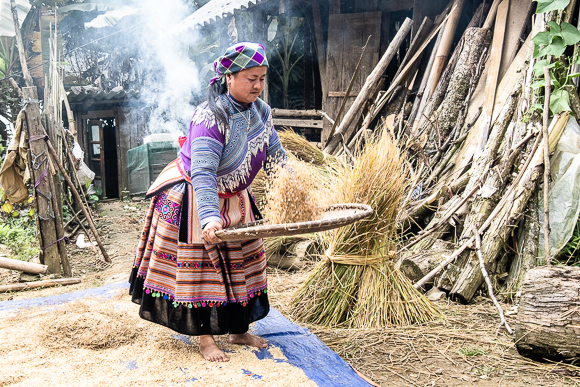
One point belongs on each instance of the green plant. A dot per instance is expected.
(8, 56)
(549, 51)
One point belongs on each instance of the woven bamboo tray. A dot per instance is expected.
(334, 216)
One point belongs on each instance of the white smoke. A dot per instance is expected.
(171, 77)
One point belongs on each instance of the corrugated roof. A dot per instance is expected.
(82, 93)
(212, 11)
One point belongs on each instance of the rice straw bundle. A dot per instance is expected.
(302, 149)
(358, 285)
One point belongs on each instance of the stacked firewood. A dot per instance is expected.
(474, 146)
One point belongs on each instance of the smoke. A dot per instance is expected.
(170, 78)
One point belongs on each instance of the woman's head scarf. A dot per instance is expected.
(240, 56)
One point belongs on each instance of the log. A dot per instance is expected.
(344, 130)
(475, 42)
(416, 266)
(27, 267)
(548, 320)
(21, 48)
(296, 113)
(516, 200)
(490, 194)
(39, 284)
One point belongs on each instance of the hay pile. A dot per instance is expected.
(81, 326)
(357, 284)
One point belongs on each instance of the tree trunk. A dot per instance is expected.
(499, 230)
(548, 320)
(475, 41)
(416, 265)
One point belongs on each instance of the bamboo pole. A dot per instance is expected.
(546, 146)
(39, 284)
(342, 132)
(493, 72)
(21, 52)
(77, 197)
(445, 46)
(27, 267)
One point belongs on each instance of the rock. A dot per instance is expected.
(435, 294)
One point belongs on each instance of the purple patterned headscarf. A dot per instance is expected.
(240, 56)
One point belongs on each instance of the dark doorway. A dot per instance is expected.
(109, 144)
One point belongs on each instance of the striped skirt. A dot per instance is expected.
(192, 287)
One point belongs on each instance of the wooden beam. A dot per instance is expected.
(341, 94)
(99, 114)
(320, 49)
(295, 113)
(298, 123)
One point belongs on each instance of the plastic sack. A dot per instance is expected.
(564, 196)
(85, 174)
(77, 151)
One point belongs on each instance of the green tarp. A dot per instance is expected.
(146, 162)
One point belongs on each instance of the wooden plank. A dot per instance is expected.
(319, 39)
(334, 7)
(493, 71)
(298, 123)
(341, 94)
(518, 17)
(99, 114)
(295, 113)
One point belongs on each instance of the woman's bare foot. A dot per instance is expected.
(247, 339)
(209, 349)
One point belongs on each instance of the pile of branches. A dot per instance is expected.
(477, 143)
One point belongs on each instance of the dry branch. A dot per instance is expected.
(39, 284)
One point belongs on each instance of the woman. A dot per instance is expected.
(184, 277)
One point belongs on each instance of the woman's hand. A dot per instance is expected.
(209, 232)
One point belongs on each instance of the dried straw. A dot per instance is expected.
(290, 196)
(304, 150)
(357, 285)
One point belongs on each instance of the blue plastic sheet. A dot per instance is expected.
(302, 348)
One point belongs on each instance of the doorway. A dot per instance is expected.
(102, 138)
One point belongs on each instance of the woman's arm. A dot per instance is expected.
(206, 150)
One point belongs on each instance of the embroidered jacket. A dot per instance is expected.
(226, 158)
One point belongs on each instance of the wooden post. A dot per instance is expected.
(320, 50)
(21, 52)
(39, 162)
(345, 130)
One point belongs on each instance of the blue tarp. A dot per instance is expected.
(302, 348)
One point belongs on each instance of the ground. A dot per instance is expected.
(463, 349)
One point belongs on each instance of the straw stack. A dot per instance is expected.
(357, 284)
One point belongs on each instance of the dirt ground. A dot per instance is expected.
(463, 349)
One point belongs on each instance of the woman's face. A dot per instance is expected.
(246, 85)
